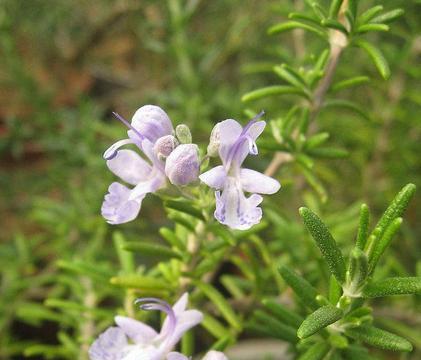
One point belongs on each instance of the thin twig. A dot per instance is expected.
(337, 45)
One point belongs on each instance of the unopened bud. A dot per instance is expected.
(214, 141)
(165, 145)
(183, 134)
(182, 165)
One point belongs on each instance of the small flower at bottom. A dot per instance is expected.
(234, 143)
(134, 340)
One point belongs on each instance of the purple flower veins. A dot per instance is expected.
(230, 180)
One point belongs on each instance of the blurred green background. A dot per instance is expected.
(65, 65)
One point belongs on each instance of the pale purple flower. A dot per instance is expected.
(134, 340)
(234, 143)
(182, 165)
(122, 204)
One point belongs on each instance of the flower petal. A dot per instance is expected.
(176, 356)
(229, 131)
(256, 182)
(129, 166)
(185, 321)
(215, 177)
(152, 122)
(247, 142)
(143, 353)
(137, 331)
(255, 129)
(117, 208)
(181, 304)
(111, 345)
(156, 181)
(215, 355)
(234, 209)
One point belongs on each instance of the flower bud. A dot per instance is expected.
(183, 134)
(182, 165)
(214, 141)
(164, 146)
(152, 122)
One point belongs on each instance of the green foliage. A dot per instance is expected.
(347, 315)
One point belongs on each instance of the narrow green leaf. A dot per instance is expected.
(369, 14)
(358, 269)
(221, 304)
(316, 140)
(325, 242)
(362, 234)
(338, 341)
(315, 352)
(379, 338)
(287, 74)
(284, 314)
(95, 272)
(344, 84)
(139, 282)
(389, 16)
(379, 246)
(396, 208)
(272, 90)
(214, 327)
(318, 10)
(277, 328)
(371, 27)
(334, 8)
(353, 7)
(231, 285)
(125, 257)
(223, 343)
(75, 306)
(355, 352)
(151, 249)
(187, 343)
(321, 61)
(300, 16)
(335, 290)
(376, 56)
(393, 286)
(304, 290)
(171, 238)
(318, 320)
(350, 18)
(185, 207)
(290, 25)
(333, 24)
(182, 220)
(347, 105)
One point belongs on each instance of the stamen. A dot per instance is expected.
(244, 137)
(125, 122)
(112, 151)
(252, 121)
(158, 304)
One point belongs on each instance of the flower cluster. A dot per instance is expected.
(171, 155)
(134, 340)
(151, 131)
